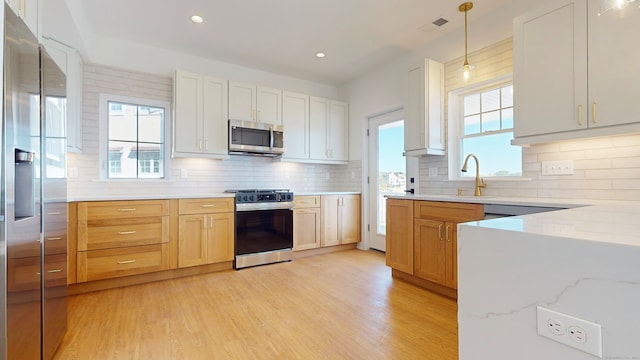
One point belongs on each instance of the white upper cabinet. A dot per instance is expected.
(423, 124)
(70, 62)
(550, 84)
(339, 131)
(329, 131)
(250, 102)
(295, 119)
(614, 71)
(575, 72)
(27, 10)
(200, 120)
(319, 112)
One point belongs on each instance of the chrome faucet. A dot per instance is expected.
(479, 181)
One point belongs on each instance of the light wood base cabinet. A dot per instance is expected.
(306, 222)
(432, 240)
(340, 219)
(399, 239)
(120, 238)
(206, 231)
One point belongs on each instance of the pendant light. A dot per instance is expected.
(466, 72)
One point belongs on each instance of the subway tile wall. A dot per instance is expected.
(202, 175)
(606, 168)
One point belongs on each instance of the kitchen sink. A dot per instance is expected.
(492, 211)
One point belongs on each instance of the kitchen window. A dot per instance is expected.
(481, 123)
(133, 133)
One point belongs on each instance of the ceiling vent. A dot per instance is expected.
(440, 22)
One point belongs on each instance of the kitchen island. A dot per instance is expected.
(578, 257)
(583, 262)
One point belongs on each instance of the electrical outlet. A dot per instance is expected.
(433, 172)
(560, 167)
(73, 172)
(184, 173)
(568, 330)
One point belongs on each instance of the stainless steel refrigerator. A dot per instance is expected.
(33, 230)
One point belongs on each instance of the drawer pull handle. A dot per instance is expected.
(126, 232)
(54, 238)
(54, 271)
(126, 261)
(54, 213)
(127, 210)
(208, 205)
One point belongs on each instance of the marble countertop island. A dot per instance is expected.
(583, 261)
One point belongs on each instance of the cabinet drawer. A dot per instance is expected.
(104, 264)
(205, 206)
(100, 210)
(306, 201)
(445, 211)
(121, 233)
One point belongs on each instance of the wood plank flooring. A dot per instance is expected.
(342, 305)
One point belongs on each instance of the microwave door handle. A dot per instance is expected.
(271, 139)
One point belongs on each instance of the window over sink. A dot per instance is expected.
(481, 123)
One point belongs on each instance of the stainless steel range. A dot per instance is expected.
(264, 227)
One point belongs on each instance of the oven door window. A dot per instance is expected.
(264, 230)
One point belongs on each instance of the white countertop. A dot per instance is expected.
(149, 197)
(545, 202)
(580, 261)
(188, 196)
(614, 222)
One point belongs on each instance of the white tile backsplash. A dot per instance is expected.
(203, 175)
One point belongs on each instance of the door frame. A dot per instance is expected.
(369, 196)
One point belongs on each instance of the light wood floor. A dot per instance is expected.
(336, 306)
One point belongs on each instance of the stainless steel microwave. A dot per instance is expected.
(253, 138)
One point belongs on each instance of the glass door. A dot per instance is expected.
(387, 170)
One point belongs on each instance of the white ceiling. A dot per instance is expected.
(282, 36)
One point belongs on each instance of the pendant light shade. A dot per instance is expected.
(466, 72)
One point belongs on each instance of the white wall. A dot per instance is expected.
(383, 89)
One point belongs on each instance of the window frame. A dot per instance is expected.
(104, 134)
(455, 132)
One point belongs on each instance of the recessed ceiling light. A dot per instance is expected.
(320, 54)
(197, 19)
